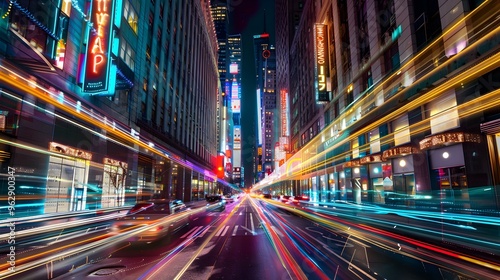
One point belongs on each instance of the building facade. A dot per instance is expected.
(234, 82)
(265, 70)
(109, 113)
(393, 103)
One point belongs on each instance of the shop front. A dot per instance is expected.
(450, 177)
(403, 188)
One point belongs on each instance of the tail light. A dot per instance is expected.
(158, 228)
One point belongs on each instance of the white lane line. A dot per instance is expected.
(190, 232)
(245, 228)
(204, 231)
(225, 230)
(251, 223)
(220, 231)
(278, 232)
(195, 232)
(235, 229)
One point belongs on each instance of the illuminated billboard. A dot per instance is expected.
(98, 62)
(233, 68)
(284, 112)
(322, 66)
(236, 105)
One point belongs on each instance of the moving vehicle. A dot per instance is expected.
(285, 198)
(228, 198)
(160, 216)
(215, 203)
(299, 198)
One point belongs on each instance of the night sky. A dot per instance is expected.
(247, 18)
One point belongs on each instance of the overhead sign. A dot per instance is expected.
(98, 62)
(322, 66)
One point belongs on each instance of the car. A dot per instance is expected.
(267, 195)
(157, 214)
(215, 203)
(228, 198)
(298, 198)
(285, 198)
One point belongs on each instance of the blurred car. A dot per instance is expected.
(285, 198)
(154, 212)
(215, 203)
(267, 195)
(298, 198)
(228, 198)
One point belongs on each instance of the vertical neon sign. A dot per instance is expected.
(322, 63)
(97, 63)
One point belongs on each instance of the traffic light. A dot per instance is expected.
(220, 167)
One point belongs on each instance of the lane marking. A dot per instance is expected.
(247, 229)
(251, 223)
(195, 232)
(204, 231)
(278, 232)
(235, 229)
(225, 230)
(220, 231)
(190, 232)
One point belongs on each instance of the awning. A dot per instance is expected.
(375, 158)
(449, 138)
(400, 151)
(352, 163)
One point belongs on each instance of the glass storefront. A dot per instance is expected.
(66, 185)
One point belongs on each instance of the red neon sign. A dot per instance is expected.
(98, 47)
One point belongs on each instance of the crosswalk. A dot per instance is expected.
(236, 230)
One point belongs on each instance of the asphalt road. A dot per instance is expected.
(265, 239)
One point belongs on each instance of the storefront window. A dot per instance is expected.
(342, 187)
(452, 184)
(66, 185)
(323, 188)
(9, 113)
(331, 185)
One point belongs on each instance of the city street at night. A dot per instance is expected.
(249, 139)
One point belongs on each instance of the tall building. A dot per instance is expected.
(391, 103)
(234, 51)
(289, 18)
(265, 69)
(120, 112)
(219, 11)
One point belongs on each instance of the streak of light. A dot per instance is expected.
(357, 230)
(151, 274)
(283, 253)
(108, 239)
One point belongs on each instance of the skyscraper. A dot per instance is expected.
(234, 50)
(219, 12)
(379, 102)
(265, 69)
(123, 111)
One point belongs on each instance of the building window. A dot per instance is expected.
(127, 54)
(9, 113)
(66, 7)
(130, 16)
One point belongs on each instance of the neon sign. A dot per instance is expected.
(284, 112)
(321, 60)
(98, 47)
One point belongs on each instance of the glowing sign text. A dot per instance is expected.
(98, 49)
(321, 55)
